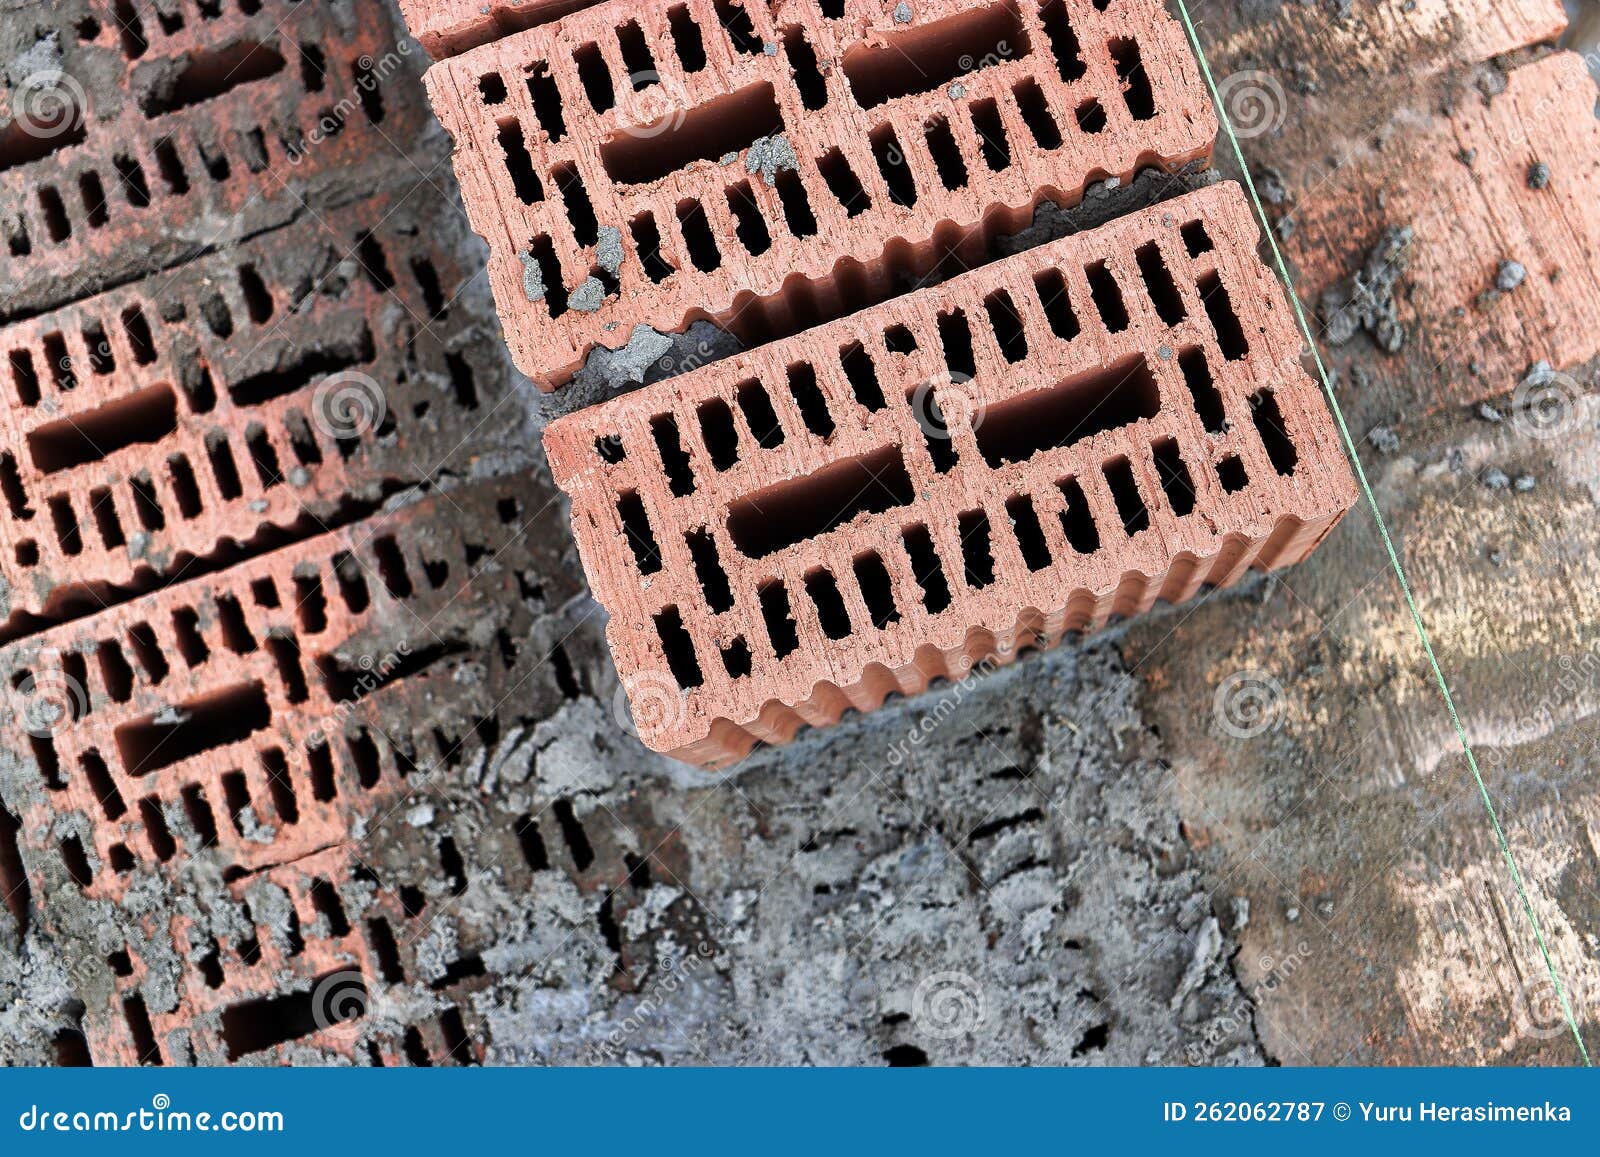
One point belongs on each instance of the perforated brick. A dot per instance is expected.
(672, 160)
(140, 136)
(273, 391)
(448, 27)
(1025, 450)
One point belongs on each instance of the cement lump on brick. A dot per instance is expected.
(769, 156)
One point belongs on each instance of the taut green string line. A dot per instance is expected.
(1383, 531)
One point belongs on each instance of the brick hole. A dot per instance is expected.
(215, 162)
(862, 376)
(832, 616)
(843, 183)
(416, 1052)
(285, 652)
(412, 902)
(351, 581)
(60, 362)
(202, 724)
(1077, 518)
(806, 508)
(708, 570)
(11, 486)
(121, 962)
(57, 226)
(27, 553)
(17, 242)
(678, 647)
(926, 567)
(140, 1028)
(200, 816)
(641, 538)
(931, 55)
(948, 162)
(436, 571)
(532, 844)
(311, 603)
(1274, 433)
(319, 766)
(325, 901)
(218, 317)
(545, 97)
(803, 63)
(610, 449)
(156, 832)
(209, 961)
(44, 754)
(1064, 46)
(647, 243)
(725, 124)
(636, 57)
(808, 397)
(65, 521)
(977, 551)
(93, 195)
(1091, 116)
(595, 77)
(1028, 533)
(749, 225)
(207, 74)
(313, 67)
(235, 629)
(1137, 91)
(1079, 407)
(264, 592)
(491, 87)
(762, 419)
(280, 785)
(171, 22)
(146, 416)
(736, 23)
(1173, 473)
(364, 756)
(253, 1026)
(1106, 294)
(369, 88)
(375, 264)
(1224, 321)
(146, 504)
(877, 589)
(1202, 388)
(101, 358)
(1231, 474)
(686, 39)
(76, 861)
(955, 336)
(718, 434)
(186, 634)
(832, 9)
(576, 839)
(737, 660)
(991, 130)
(1035, 110)
(778, 618)
(453, 866)
(142, 640)
(543, 253)
(1195, 238)
(170, 166)
(524, 181)
(453, 1031)
(392, 567)
(1159, 284)
(1006, 323)
(893, 166)
(1125, 492)
(131, 180)
(797, 214)
(898, 339)
(20, 146)
(115, 671)
(122, 861)
(24, 377)
(100, 781)
(198, 387)
(224, 470)
(262, 456)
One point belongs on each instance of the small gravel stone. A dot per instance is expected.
(1525, 483)
(902, 13)
(1488, 413)
(1510, 276)
(1384, 440)
(1495, 478)
(1538, 175)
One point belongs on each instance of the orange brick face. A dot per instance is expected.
(1028, 449)
(664, 162)
(448, 27)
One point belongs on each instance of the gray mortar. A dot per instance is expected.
(1366, 300)
(769, 156)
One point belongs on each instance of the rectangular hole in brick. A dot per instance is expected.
(1125, 491)
(718, 433)
(797, 214)
(697, 235)
(636, 57)
(15, 893)
(185, 490)
(737, 660)
(862, 376)
(57, 226)
(991, 132)
(145, 502)
(1231, 473)
(1159, 283)
(1006, 323)
(575, 200)
(930, 55)
(319, 768)
(749, 225)
(170, 166)
(115, 670)
(708, 570)
(927, 568)
(262, 456)
(201, 818)
(1029, 534)
(1176, 482)
(778, 617)
(1077, 519)
(678, 647)
(253, 1026)
(333, 354)
(877, 590)
(647, 243)
(60, 362)
(93, 194)
(542, 256)
(546, 100)
(898, 339)
(286, 655)
(823, 591)
(258, 299)
(11, 484)
(148, 651)
(223, 468)
(392, 567)
(843, 183)
(931, 421)
(44, 753)
(519, 165)
(725, 124)
(641, 539)
(736, 23)
(893, 166)
(280, 785)
(1070, 65)
(385, 952)
(368, 88)
(364, 757)
(947, 160)
(195, 378)
(24, 377)
(17, 242)
(140, 1029)
(808, 398)
(805, 508)
(1091, 116)
(434, 304)
(1137, 90)
(1274, 433)
(186, 633)
(1202, 388)
(532, 844)
(1078, 407)
(1195, 238)
(687, 41)
(131, 180)
(955, 336)
(977, 552)
(101, 359)
(156, 832)
(22, 142)
(143, 417)
(1219, 308)
(374, 262)
(325, 899)
(197, 726)
(803, 62)
(101, 783)
(1107, 296)
(104, 509)
(1035, 110)
(674, 459)
(205, 74)
(492, 88)
(595, 76)
(759, 414)
(216, 314)
(311, 603)
(65, 520)
(235, 630)
(348, 573)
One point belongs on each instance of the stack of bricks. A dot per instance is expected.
(859, 506)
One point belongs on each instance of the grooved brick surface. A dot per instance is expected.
(1025, 450)
(218, 120)
(632, 163)
(449, 27)
(272, 391)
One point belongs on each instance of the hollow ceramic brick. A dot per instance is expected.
(449, 27)
(1068, 434)
(661, 162)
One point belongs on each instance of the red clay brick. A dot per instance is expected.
(448, 27)
(969, 95)
(695, 515)
(182, 419)
(185, 129)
